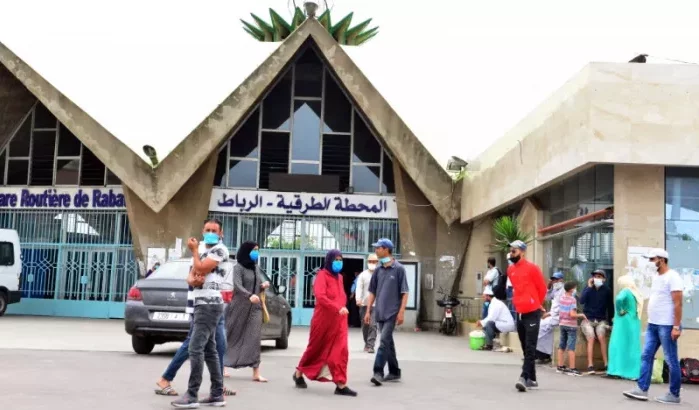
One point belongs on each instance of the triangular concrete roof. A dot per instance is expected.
(156, 186)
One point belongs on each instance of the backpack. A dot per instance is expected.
(690, 370)
(500, 290)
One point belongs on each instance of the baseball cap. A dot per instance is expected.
(488, 292)
(383, 243)
(557, 275)
(519, 245)
(598, 272)
(657, 253)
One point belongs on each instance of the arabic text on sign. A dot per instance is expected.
(297, 204)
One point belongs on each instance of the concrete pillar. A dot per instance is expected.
(182, 217)
(479, 250)
(531, 218)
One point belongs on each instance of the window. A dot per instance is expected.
(274, 156)
(7, 254)
(365, 178)
(242, 174)
(366, 148)
(304, 169)
(336, 158)
(306, 132)
(308, 72)
(276, 107)
(48, 154)
(337, 108)
(388, 184)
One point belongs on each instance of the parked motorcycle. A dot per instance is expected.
(449, 323)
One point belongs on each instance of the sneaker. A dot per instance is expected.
(573, 372)
(590, 370)
(532, 384)
(185, 402)
(213, 401)
(542, 362)
(636, 394)
(371, 350)
(601, 371)
(377, 379)
(521, 385)
(487, 348)
(345, 391)
(668, 398)
(299, 381)
(561, 369)
(392, 378)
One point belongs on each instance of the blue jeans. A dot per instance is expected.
(183, 352)
(484, 313)
(569, 336)
(387, 349)
(656, 336)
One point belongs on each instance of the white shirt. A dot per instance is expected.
(491, 276)
(661, 308)
(362, 290)
(500, 314)
(555, 296)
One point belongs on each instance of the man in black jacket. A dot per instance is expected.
(598, 306)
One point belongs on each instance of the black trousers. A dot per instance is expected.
(528, 331)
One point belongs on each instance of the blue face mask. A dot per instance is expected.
(211, 238)
(385, 260)
(337, 266)
(254, 255)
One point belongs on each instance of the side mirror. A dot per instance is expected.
(281, 289)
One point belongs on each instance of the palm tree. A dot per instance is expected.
(280, 29)
(506, 230)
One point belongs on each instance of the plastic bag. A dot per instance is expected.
(657, 376)
(477, 334)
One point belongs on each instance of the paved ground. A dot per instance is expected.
(75, 364)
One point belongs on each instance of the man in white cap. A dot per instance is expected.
(499, 319)
(664, 320)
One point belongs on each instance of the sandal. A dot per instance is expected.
(165, 391)
(229, 392)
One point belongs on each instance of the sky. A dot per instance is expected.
(460, 73)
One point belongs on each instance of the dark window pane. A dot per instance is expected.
(242, 174)
(67, 172)
(221, 167)
(43, 150)
(92, 169)
(304, 169)
(336, 158)
(309, 75)
(366, 147)
(388, 185)
(306, 132)
(604, 184)
(276, 107)
(338, 110)
(68, 144)
(274, 156)
(3, 157)
(586, 187)
(244, 142)
(17, 172)
(112, 179)
(365, 178)
(19, 147)
(43, 117)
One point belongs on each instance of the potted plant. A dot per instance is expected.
(506, 230)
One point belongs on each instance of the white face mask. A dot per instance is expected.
(598, 282)
(371, 266)
(557, 286)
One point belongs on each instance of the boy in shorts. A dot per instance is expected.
(568, 325)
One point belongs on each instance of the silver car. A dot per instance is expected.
(155, 308)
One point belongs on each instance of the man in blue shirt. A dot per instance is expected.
(598, 305)
(388, 294)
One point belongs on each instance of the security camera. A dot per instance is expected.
(456, 164)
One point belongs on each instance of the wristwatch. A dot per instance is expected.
(676, 328)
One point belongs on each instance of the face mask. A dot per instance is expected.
(211, 238)
(487, 303)
(385, 260)
(598, 282)
(515, 259)
(575, 293)
(655, 267)
(254, 255)
(371, 266)
(557, 286)
(337, 266)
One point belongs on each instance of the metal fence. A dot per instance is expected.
(74, 255)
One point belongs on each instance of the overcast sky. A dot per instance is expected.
(459, 72)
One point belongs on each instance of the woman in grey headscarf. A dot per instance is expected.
(244, 314)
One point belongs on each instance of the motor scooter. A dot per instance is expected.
(449, 323)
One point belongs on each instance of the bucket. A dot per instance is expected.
(477, 339)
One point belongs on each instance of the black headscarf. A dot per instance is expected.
(329, 258)
(243, 255)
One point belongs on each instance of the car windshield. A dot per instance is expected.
(172, 270)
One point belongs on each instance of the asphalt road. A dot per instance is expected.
(72, 364)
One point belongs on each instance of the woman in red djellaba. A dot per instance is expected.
(325, 358)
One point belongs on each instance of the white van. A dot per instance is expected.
(10, 268)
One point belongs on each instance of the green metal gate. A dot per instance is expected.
(77, 263)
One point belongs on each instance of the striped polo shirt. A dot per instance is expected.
(210, 292)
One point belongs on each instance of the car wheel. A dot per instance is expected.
(142, 345)
(3, 302)
(283, 341)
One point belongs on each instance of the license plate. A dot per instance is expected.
(449, 315)
(171, 317)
